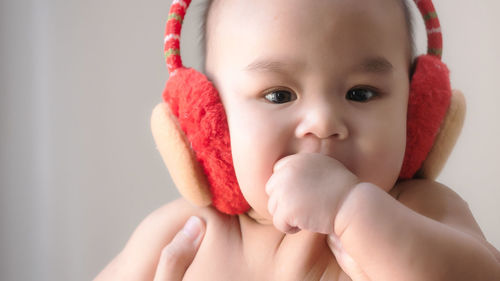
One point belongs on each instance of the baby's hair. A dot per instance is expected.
(203, 38)
(409, 27)
(405, 5)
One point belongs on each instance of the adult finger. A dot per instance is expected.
(345, 261)
(179, 254)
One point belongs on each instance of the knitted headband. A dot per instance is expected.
(196, 104)
(179, 7)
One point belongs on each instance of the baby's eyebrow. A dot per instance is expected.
(377, 65)
(374, 65)
(268, 65)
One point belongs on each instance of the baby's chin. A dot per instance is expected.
(259, 218)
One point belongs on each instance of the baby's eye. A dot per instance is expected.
(280, 96)
(360, 95)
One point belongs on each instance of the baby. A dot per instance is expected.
(316, 95)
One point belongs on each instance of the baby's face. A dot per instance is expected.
(327, 76)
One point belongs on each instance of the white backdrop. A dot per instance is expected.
(78, 166)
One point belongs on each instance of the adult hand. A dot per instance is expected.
(345, 261)
(177, 256)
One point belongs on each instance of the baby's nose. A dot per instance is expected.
(323, 122)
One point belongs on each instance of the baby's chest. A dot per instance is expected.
(221, 259)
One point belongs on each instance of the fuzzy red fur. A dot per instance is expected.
(196, 104)
(430, 94)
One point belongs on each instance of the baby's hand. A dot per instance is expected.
(305, 191)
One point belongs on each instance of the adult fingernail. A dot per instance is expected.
(334, 242)
(193, 228)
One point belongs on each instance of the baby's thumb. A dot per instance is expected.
(177, 256)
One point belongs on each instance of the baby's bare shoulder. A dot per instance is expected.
(438, 202)
(441, 203)
(138, 260)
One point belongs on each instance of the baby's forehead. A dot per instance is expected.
(240, 23)
(243, 10)
(239, 17)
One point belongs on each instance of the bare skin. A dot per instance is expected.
(317, 120)
(257, 251)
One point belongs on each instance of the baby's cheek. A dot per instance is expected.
(259, 137)
(253, 160)
(386, 164)
(379, 155)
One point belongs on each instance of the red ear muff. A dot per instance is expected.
(196, 103)
(429, 98)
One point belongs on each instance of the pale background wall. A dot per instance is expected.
(78, 167)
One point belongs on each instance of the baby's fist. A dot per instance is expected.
(305, 191)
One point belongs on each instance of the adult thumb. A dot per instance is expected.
(177, 256)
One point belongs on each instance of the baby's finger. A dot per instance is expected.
(281, 163)
(179, 254)
(283, 226)
(272, 204)
(269, 186)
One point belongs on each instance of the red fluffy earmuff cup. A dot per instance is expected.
(196, 103)
(429, 99)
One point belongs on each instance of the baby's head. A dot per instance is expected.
(209, 6)
(327, 76)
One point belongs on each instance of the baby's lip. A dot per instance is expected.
(327, 147)
(312, 144)
(276, 166)
(327, 152)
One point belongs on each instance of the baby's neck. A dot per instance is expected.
(253, 215)
(257, 231)
(265, 247)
